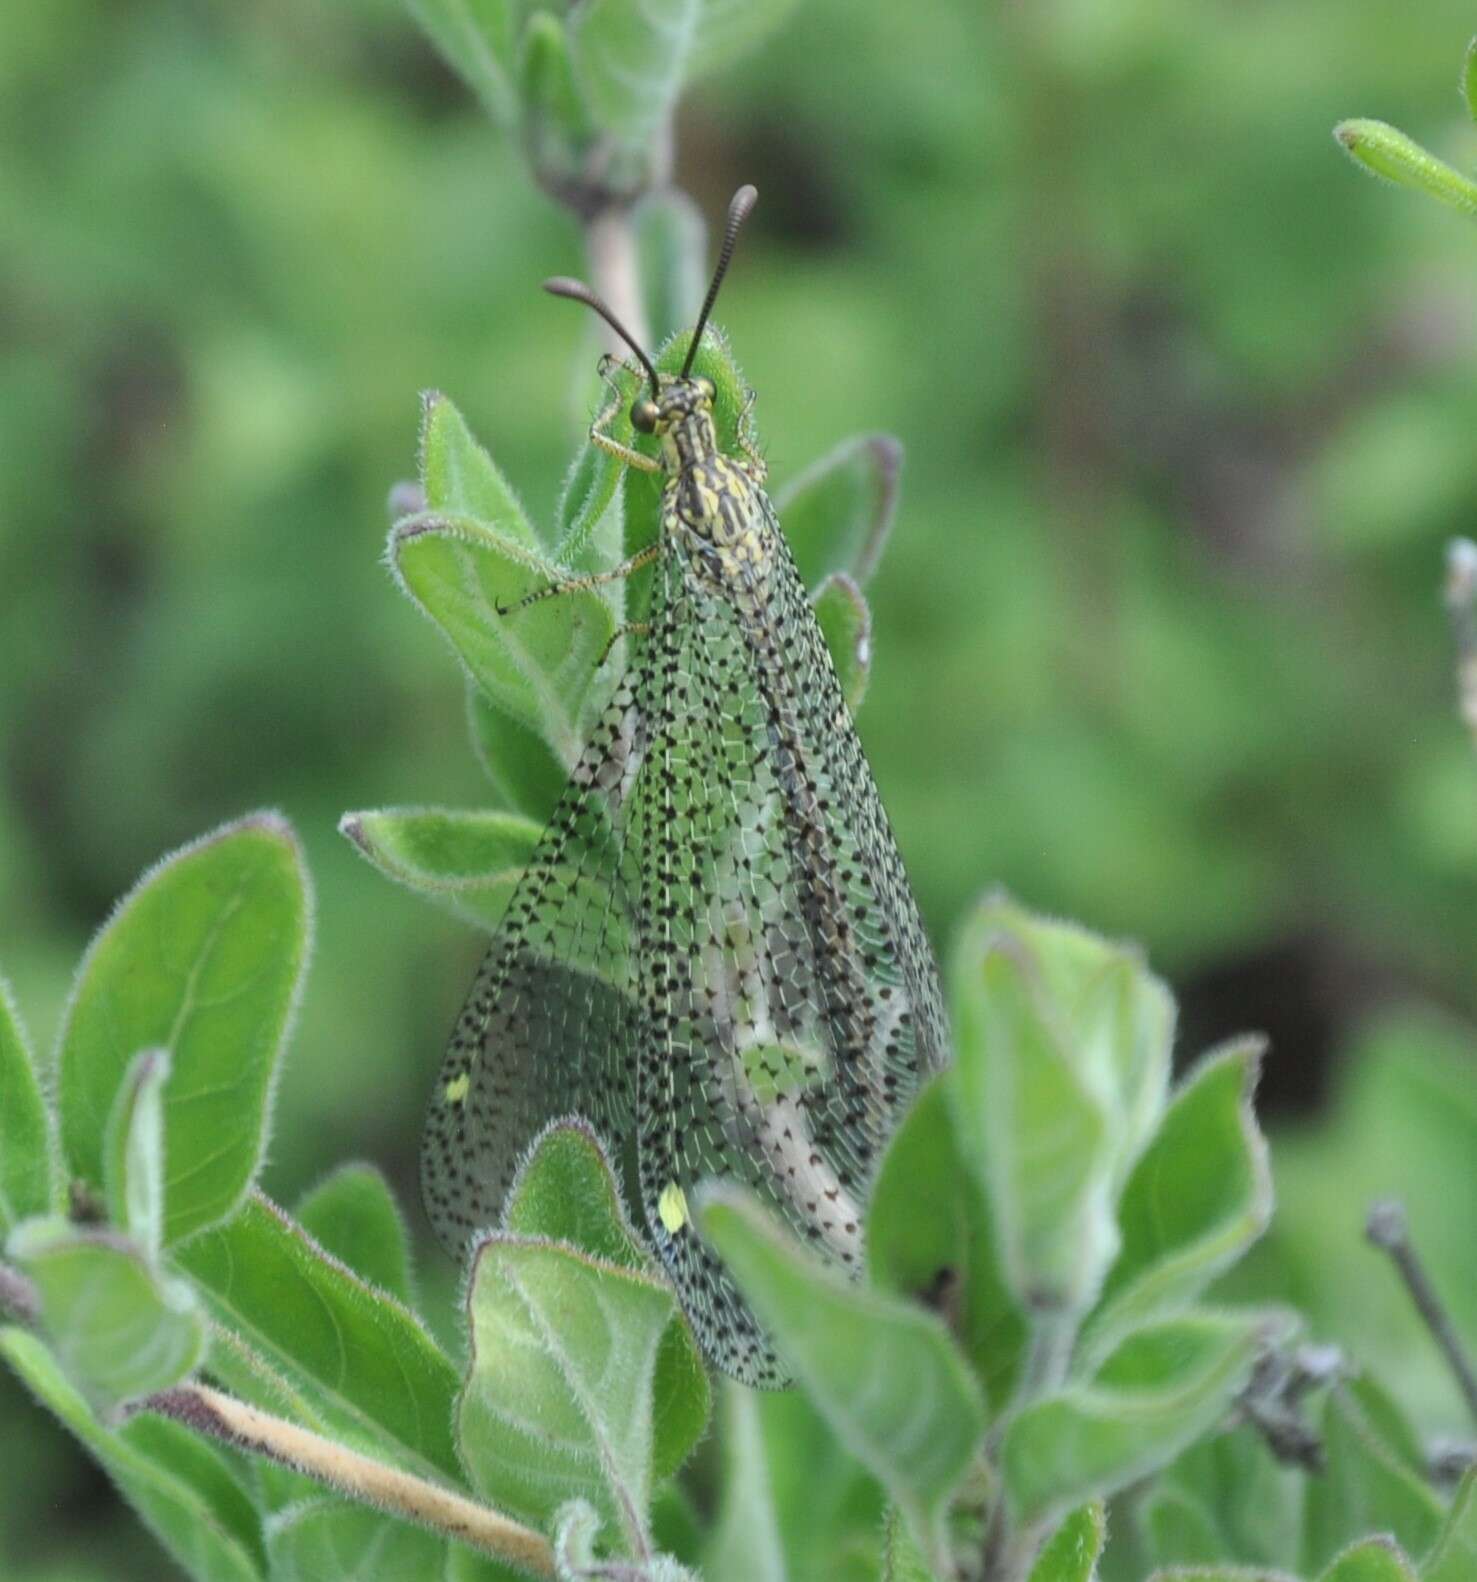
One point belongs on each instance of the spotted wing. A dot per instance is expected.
(548, 1027)
(790, 997)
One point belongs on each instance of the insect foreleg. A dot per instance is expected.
(758, 468)
(642, 557)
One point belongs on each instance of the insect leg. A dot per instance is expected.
(757, 467)
(642, 557)
(629, 629)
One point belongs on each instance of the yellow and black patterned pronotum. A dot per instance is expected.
(714, 954)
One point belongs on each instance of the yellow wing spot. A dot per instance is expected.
(672, 1208)
(456, 1089)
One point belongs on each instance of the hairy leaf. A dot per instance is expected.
(885, 1375)
(204, 958)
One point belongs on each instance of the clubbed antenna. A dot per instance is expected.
(738, 211)
(578, 291)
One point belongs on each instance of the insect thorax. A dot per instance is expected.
(715, 499)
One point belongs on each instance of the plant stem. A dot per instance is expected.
(615, 269)
(18, 1297)
(233, 1422)
(1388, 1229)
(1461, 606)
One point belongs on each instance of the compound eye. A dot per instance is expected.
(709, 390)
(644, 415)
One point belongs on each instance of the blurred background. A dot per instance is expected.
(1189, 413)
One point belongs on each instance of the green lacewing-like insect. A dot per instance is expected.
(713, 955)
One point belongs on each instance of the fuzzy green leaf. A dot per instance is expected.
(1453, 1557)
(468, 861)
(902, 1559)
(837, 514)
(133, 1152)
(1028, 1127)
(526, 776)
(1116, 1018)
(1386, 151)
(184, 1489)
(566, 1192)
(557, 1403)
(1198, 1197)
(591, 514)
(1370, 1560)
(459, 477)
(118, 1329)
(352, 1214)
(746, 1544)
(1176, 1527)
(1216, 1573)
(1469, 79)
(631, 58)
(28, 1160)
(846, 624)
(824, 1498)
(478, 40)
(730, 28)
(930, 1237)
(1367, 1486)
(1071, 1553)
(537, 663)
(556, 128)
(330, 1538)
(204, 958)
(884, 1373)
(360, 1358)
(1163, 1387)
(1225, 1497)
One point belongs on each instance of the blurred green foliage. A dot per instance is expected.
(1187, 417)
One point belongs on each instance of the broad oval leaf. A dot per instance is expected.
(1196, 1200)
(846, 624)
(1224, 1497)
(537, 663)
(330, 1538)
(1370, 1560)
(477, 38)
(526, 776)
(731, 27)
(1071, 1553)
(631, 58)
(352, 1214)
(204, 958)
(118, 1328)
(28, 1161)
(1453, 1557)
(745, 1545)
(467, 860)
(566, 1192)
(1163, 1387)
(886, 1375)
(1034, 1135)
(556, 129)
(1367, 1486)
(459, 478)
(359, 1357)
(184, 1489)
(557, 1403)
(931, 1237)
(838, 512)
